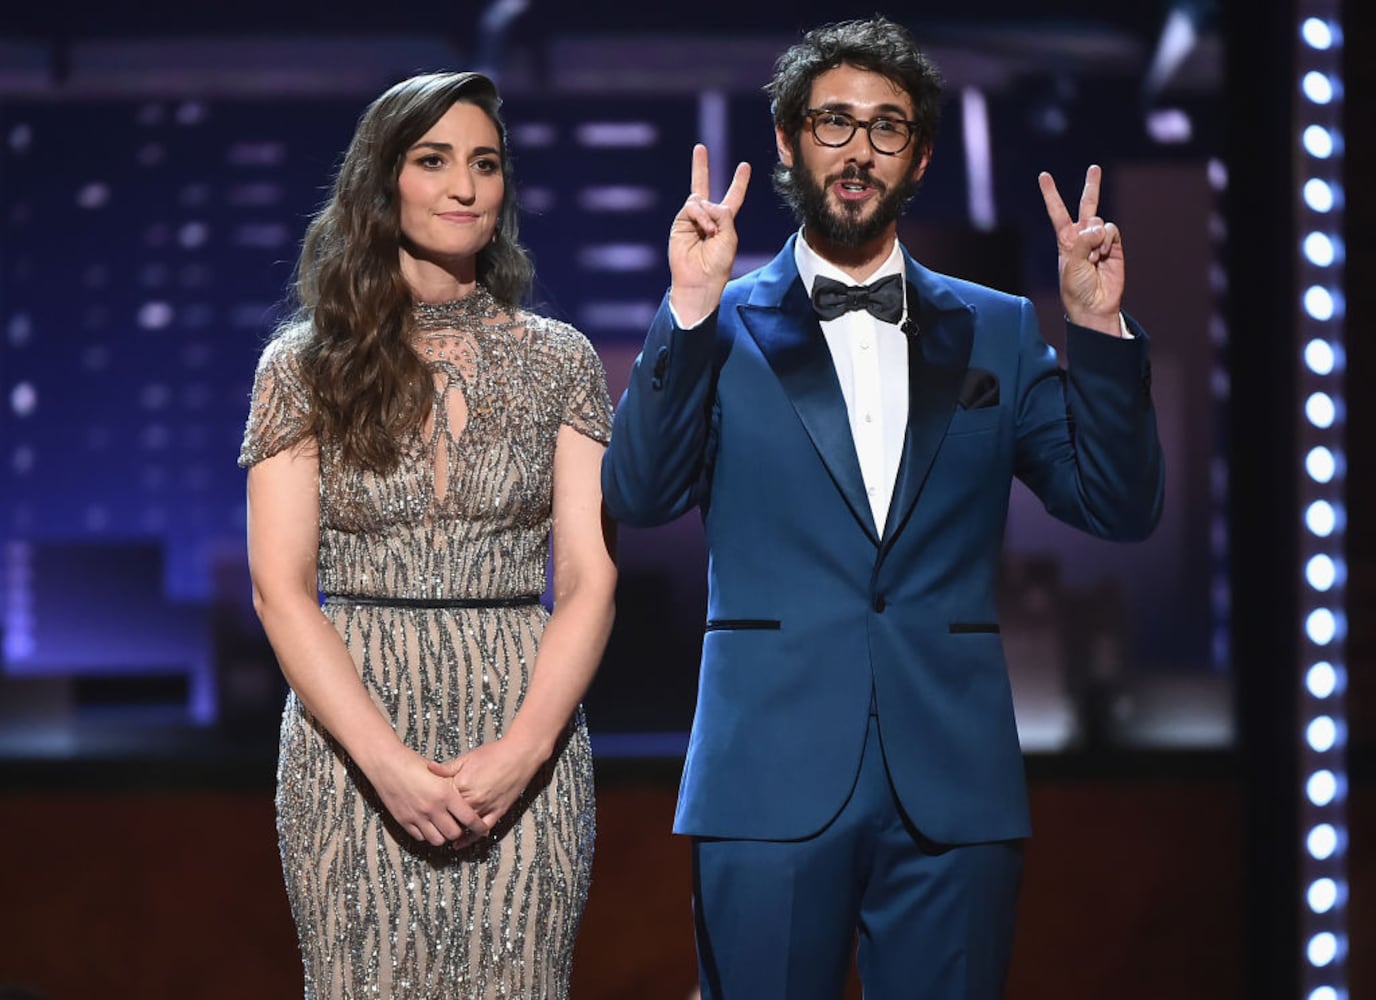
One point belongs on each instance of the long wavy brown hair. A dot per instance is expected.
(370, 390)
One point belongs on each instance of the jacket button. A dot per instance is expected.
(879, 604)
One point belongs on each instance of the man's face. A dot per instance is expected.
(851, 194)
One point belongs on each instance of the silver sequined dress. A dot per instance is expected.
(465, 515)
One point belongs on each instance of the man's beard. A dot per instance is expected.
(846, 225)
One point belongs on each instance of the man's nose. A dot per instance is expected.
(859, 149)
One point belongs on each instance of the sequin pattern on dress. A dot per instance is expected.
(466, 514)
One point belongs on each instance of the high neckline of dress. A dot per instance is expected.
(432, 316)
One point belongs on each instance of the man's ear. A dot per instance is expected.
(920, 166)
(784, 146)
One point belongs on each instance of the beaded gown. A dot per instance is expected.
(465, 515)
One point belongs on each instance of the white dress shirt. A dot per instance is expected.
(871, 359)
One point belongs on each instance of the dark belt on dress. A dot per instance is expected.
(523, 600)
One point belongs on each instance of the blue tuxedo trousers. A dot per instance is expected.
(934, 922)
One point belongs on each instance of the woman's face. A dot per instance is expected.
(451, 189)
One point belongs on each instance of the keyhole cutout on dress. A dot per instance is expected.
(463, 374)
(453, 407)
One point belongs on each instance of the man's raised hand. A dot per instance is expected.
(702, 242)
(1090, 256)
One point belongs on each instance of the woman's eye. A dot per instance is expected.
(431, 160)
(487, 165)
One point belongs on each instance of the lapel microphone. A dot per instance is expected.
(907, 324)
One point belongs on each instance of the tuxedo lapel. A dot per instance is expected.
(938, 356)
(782, 323)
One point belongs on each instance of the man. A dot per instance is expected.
(854, 765)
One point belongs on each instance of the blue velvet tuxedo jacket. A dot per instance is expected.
(813, 617)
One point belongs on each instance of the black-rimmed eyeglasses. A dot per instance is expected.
(889, 136)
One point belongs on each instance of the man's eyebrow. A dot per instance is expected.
(880, 109)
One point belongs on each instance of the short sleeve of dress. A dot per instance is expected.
(587, 404)
(279, 407)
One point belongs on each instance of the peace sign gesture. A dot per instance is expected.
(1090, 257)
(702, 242)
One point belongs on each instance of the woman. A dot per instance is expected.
(414, 439)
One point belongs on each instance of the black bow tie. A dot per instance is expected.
(883, 300)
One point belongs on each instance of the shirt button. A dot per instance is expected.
(864, 345)
(869, 418)
(871, 490)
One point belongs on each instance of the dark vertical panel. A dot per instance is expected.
(1359, 73)
(1263, 505)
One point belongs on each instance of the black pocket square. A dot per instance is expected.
(979, 389)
